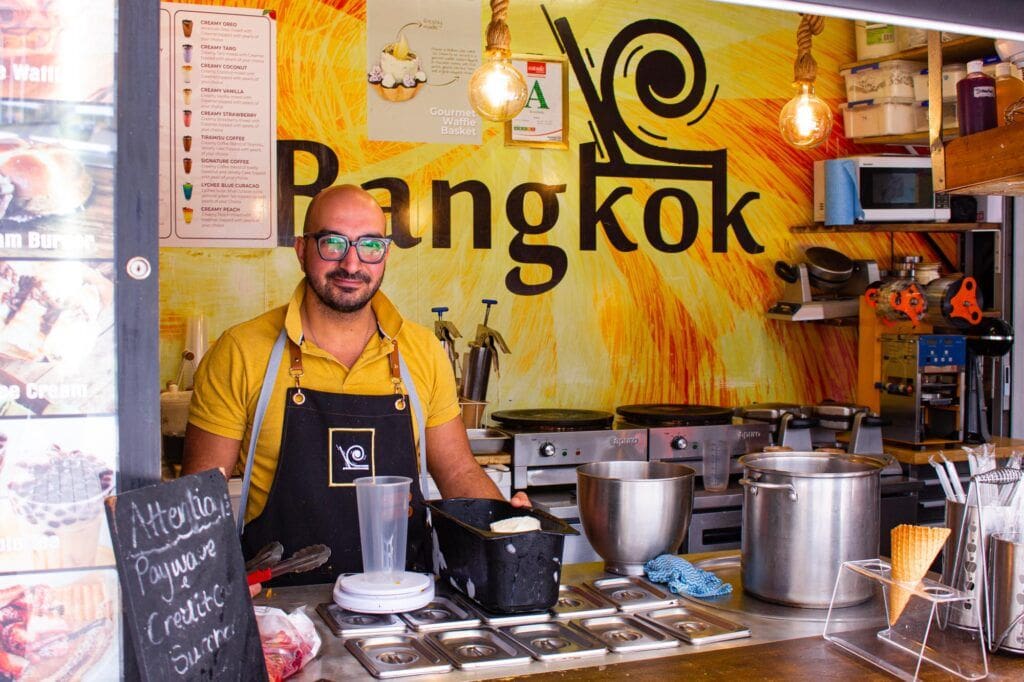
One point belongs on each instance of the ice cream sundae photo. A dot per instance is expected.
(397, 75)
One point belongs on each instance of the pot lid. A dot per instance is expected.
(773, 411)
(553, 418)
(672, 414)
(813, 464)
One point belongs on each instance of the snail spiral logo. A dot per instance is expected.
(354, 457)
(663, 68)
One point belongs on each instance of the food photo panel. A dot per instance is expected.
(56, 189)
(60, 626)
(54, 476)
(57, 349)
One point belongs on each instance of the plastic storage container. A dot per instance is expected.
(921, 115)
(874, 40)
(892, 78)
(951, 75)
(870, 118)
(907, 37)
(502, 572)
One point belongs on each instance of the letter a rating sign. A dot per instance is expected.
(542, 122)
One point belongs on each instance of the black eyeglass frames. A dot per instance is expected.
(334, 247)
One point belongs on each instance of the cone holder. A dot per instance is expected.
(918, 640)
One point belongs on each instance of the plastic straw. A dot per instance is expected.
(943, 479)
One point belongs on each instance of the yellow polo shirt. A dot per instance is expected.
(230, 376)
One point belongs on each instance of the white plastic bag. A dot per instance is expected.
(289, 640)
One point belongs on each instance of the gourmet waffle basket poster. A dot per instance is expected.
(635, 266)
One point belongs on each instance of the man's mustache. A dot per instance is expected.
(342, 273)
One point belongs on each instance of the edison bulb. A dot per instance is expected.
(497, 91)
(805, 121)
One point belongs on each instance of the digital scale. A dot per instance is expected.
(383, 592)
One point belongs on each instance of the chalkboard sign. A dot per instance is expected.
(183, 581)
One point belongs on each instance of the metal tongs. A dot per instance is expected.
(267, 563)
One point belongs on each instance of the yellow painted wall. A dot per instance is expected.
(621, 327)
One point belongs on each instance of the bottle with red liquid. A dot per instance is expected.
(976, 100)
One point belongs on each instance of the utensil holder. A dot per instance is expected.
(973, 526)
(960, 566)
(1007, 566)
(918, 640)
(472, 413)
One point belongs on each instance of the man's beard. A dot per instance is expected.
(342, 302)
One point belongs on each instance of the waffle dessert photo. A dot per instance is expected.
(397, 76)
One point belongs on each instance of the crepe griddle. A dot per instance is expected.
(552, 419)
(673, 414)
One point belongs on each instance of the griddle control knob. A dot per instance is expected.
(547, 450)
(679, 443)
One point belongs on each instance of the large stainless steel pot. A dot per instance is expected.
(804, 514)
(634, 511)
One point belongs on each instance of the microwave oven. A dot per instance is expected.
(891, 189)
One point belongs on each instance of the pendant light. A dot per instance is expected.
(497, 91)
(806, 121)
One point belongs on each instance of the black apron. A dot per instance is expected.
(328, 440)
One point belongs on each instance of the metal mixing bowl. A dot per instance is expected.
(634, 511)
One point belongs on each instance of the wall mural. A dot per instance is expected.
(636, 266)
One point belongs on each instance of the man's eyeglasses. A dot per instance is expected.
(334, 247)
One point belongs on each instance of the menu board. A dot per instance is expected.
(59, 599)
(184, 582)
(218, 126)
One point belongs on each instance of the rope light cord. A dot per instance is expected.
(498, 35)
(805, 69)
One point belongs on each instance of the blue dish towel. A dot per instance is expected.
(683, 577)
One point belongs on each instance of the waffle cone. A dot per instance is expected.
(914, 548)
(399, 93)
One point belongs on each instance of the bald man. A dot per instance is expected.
(354, 391)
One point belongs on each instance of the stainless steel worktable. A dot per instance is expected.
(813, 657)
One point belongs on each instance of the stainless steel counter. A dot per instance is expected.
(335, 662)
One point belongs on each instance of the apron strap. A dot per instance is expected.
(257, 421)
(398, 368)
(421, 424)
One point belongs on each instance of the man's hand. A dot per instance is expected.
(520, 500)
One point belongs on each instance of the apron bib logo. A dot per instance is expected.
(351, 455)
